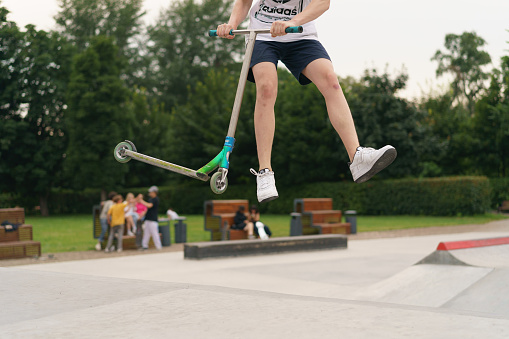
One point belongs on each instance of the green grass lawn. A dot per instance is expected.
(74, 232)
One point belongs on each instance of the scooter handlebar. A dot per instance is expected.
(294, 29)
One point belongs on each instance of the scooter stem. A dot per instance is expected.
(242, 84)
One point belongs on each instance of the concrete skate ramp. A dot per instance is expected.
(492, 252)
(468, 276)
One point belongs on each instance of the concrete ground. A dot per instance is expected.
(370, 290)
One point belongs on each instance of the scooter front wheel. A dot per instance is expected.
(218, 186)
(119, 154)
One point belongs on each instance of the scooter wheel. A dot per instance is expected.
(216, 185)
(119, 154)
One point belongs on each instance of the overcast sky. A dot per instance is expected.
(361, 34)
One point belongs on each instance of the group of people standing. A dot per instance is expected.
(117, 214)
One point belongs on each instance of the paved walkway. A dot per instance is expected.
(322, 294)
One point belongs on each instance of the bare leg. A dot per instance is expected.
(249, 228)
(265, 74)
(321, 73)
(129, 223)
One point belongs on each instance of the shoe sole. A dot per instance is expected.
(385, 160)
(269, 199)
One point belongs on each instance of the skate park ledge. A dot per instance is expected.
(458, 245)
(490, 252)
(235, 248)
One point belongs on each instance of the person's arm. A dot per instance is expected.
(315, 9)
(239, 13)
(109, 216)
(147, 204)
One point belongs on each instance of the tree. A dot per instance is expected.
(491, 125)
(97, 117)
(81, 20)
(464, 60)
(11, 40)
(33, 136)
(152, 134)
(181, 50)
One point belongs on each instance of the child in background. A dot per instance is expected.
(141, 210)
(116, 220)
(103, 217)
(131, 217)
(172, 215)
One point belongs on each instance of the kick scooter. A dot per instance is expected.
(125, 151)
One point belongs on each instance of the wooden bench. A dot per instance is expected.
(219, 216)
(17, 243)
(13, 215)
(318, 217)
(504, 206)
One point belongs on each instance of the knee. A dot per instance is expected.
(332, 81)
(266, 92)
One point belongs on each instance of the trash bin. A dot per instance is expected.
(180, 230)
(164, 229)
(295, 224)
(351, 217)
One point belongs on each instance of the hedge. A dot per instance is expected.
(499, 191)
(428, 196)
(436, 196)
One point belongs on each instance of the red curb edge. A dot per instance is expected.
(457, 245)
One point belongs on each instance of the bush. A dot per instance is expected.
(499, 191)
(426, 196)
(437, 196)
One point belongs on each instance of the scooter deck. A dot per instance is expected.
(166, 165)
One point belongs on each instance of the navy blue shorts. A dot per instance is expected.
(296, 55)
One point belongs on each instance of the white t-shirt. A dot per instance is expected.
(105, 209)
(172, 215)
(265, 12)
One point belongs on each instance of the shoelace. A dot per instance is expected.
(263, 179)
(361, 154)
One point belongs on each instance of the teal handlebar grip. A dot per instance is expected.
(213, 32)
(294, 29)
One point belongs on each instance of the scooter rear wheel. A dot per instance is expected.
(217, 185)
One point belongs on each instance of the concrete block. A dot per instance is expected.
(235, 248)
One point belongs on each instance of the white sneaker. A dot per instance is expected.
(369, 161)
(129, 233)
(261, 230)
(98, 246)
(265, 185)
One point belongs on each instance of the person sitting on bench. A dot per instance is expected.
(240, 222)
(260, 229)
